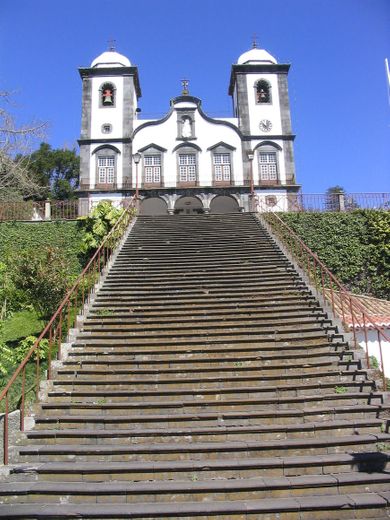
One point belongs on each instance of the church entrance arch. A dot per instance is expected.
(153, 206)
(224, 204)
(188, 206)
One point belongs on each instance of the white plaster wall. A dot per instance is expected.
(257, 112)
(373, 347)
(112, 115)
(115, 198)
(207, 134)
(281, 200)
(93, 159)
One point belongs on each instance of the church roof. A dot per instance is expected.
(111, 59)
(256, 56)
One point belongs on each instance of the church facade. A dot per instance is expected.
(187, 162)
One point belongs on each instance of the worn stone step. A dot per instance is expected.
(219, 433)
(182, 380)
(95, 417)
(207, 450)
(283, 466)
(184, 491)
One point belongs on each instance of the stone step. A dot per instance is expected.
(219, 433)
(95, 417)
(284, 466)
(183, 381)
(184, 491)
(241, 404)
(206, 450)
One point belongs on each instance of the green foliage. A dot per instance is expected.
(21, 324)
(374, 362)
(24, 346)
(43, 275)
(355, 246)
(340, 389)
(98, 224)
(57, 169)
(18, 236)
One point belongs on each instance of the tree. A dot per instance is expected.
(16, 142)
(337, 199)
(58, 169)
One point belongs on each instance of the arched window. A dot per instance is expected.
(263, 92)
(222, 163)
(187, 165)
(107, 95)
(106, 166)
(267, 156)
(152, 165)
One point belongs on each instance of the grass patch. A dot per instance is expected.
(21, 324)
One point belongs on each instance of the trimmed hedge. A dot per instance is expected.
(355, 246)
(19, 236)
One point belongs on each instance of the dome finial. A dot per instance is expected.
(185, 83)
(111, 45)
(254, 41)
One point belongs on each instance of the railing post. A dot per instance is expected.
(47, 210)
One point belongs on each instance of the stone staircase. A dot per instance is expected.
(207, 382)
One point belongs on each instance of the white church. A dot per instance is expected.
(187, 162)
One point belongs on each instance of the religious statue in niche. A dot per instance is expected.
(107, 95)
(186, 130)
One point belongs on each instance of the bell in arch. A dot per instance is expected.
(107, 97)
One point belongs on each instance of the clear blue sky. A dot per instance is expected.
(338, 92)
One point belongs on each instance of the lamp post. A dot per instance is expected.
(136, 158)
(251, 156)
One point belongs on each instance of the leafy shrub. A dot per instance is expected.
(97, 225)
(21, 351)
(355, 246)
(43, 276)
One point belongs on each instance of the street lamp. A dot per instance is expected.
(136, 158)
(251, 156)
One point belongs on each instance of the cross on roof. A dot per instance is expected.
(111, 45)
(254, 41)
(185, 83)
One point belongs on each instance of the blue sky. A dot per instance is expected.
(338, 93)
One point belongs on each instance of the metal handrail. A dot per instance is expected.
(325, 282)
(65, 315)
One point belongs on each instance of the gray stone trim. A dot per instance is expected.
(128, 106)
(127, 163)
(290, 137)
(86, 108)
(85, 154)
(104, 140)
(289, 162)
(184, 145)
(284, 104)
(113, 72)
(221, 144)
(153, 123)
(246, 166)
(154, 146)
(268, 143)
(243, 104)
(104, 146)
(255, 68)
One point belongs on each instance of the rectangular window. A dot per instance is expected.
(222, 170)
(187, 167)
(268, 166)
(152, 169)
(106, 169)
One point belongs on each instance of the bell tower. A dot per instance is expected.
(259, 90)
(109, 107)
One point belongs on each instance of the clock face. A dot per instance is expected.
(265, 125)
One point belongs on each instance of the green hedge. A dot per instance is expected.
(355, 246)
(18, 236)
